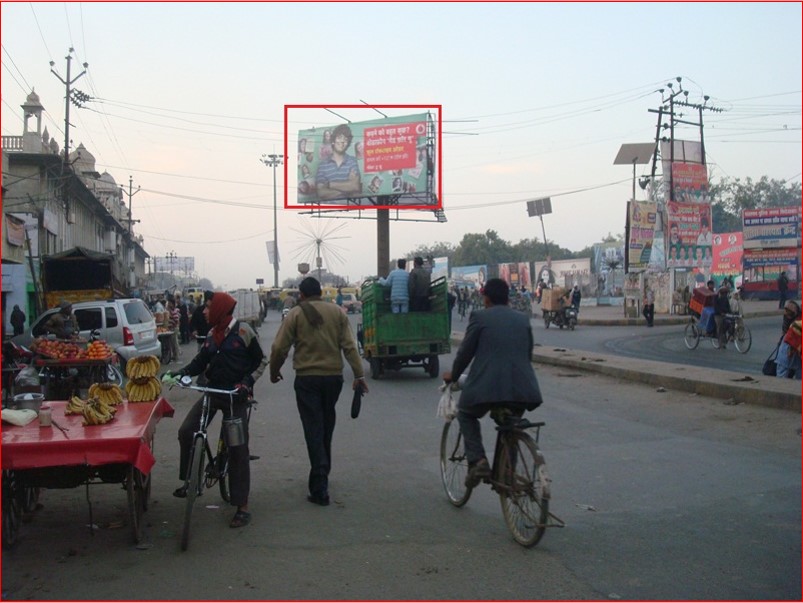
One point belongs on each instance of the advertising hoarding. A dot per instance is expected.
(771, 227)
(727, 255)
(516, 273)
(470, 275)
(641, 219)
(173, 264)
(360, 164)
(689, 240)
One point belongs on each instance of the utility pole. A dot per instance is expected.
(274, 160)
(130, 194)
(171, 258)
(67, 98)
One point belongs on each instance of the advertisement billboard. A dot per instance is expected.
(387, 162)
(641, 219)
(516, 273)
(690, 182)
(473, 276)
(727, 255)
(689, 240)
(173, 264)
(771, 227)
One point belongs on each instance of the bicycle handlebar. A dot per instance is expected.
(186, 383)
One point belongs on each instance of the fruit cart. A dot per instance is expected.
(69, 366)
(70, 454)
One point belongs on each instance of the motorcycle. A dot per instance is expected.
(565, 317)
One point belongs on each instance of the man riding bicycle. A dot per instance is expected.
(499, 340)
(230, 358)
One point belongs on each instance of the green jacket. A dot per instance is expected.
(318, 350)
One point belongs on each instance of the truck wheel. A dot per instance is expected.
(433, 366)
(376, 367)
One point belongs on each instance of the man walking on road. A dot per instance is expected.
(322, 335)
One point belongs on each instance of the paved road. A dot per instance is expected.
(665, 495)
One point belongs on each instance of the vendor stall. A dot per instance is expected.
(69, 454)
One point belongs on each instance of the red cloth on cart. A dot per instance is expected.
(126, 439)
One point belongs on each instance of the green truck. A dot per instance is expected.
(394, 341)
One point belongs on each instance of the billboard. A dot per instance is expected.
(440, 267)
(516, 273)
(387, 162)
(727, 254)
(771, 227)
(690, 182)
(473, 275)
(173, 264)
(689, 241)
(641, 219)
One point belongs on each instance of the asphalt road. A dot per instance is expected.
(665, 496)
(663, 343)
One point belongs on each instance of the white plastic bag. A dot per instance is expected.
(447, 406)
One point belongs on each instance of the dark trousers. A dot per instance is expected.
(316, 397)
(419, 303)
(781, 299)
(469, 420)
(239, 462)
(649, 313)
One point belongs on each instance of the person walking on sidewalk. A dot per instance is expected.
(649, 306)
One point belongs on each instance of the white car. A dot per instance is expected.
(127, 325)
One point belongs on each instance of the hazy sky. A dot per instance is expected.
(189, 96)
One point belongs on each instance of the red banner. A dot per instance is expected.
(727, 253)
(392, 147)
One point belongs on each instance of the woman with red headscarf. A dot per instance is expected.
(230, 358)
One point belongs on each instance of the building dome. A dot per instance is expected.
(108, 179)
(33, 99)
(83, 161)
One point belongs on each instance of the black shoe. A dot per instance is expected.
(318, 499)
(180, 492)
(477, 472)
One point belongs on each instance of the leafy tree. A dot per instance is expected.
(729, 197)
(486, 248)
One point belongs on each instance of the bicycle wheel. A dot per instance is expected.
(135, 492)
(454, 466)
(195, 481)
(525, 495)
(742, 338)
(691, 336)
(12, 508)
(222, 468)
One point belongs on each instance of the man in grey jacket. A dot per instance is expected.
(499, 340)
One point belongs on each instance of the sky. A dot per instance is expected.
(536, 101)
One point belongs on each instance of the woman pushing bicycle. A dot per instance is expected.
(499, 340)
(230, 358)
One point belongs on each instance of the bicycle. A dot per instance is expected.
(216, 470)
(736, 331)
(518, 475)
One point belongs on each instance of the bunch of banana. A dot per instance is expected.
(142, 366)
(97, 412)
(110, 393)
(75, 406)
(143, 389)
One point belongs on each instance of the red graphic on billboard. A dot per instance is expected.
(727, 253)
(392, 147)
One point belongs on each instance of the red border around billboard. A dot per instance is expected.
(310, 206)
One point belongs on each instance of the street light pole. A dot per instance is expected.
(274, 160)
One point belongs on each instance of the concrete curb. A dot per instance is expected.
(763, 391)
(760, 390)
(680, 319)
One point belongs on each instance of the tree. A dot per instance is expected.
(730, 197)
(436, 250)
(485, 248)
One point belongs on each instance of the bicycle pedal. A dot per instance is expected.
(253, 457)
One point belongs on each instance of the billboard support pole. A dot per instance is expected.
(382, 238)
